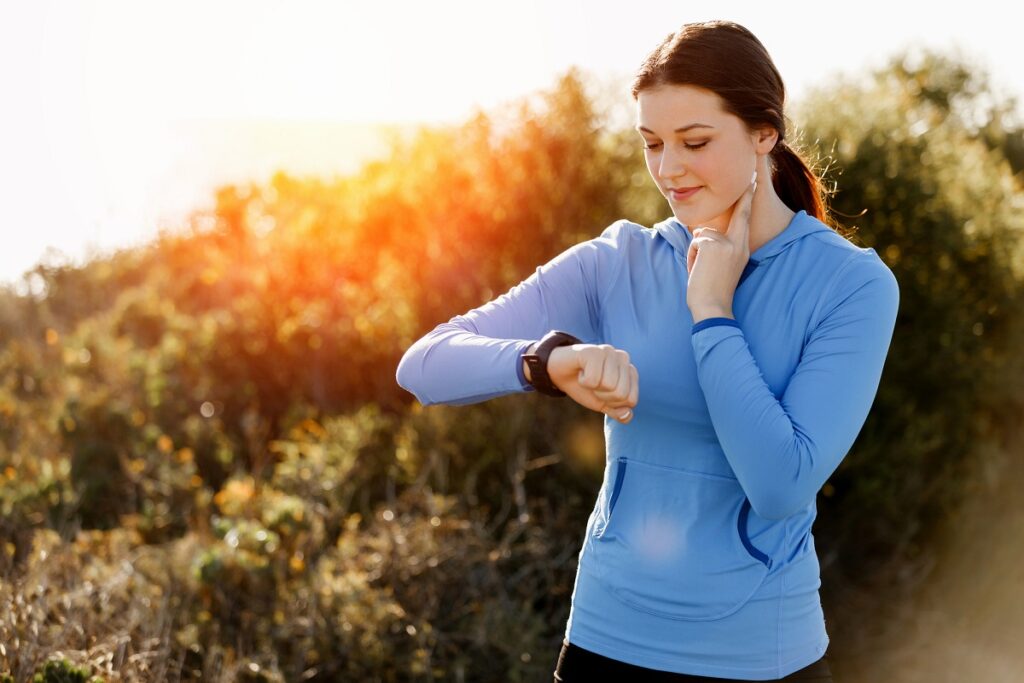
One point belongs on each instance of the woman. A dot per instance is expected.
(735, 363)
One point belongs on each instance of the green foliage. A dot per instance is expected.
(942, 208)
(63, 671)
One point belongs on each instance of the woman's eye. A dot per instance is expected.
(655, 146)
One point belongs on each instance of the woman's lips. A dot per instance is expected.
(684, 194)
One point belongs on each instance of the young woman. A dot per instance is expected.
(735, 363)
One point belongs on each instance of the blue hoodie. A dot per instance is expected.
(698, 556)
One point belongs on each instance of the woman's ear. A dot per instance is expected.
(764, 139)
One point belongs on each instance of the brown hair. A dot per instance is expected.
(727, 59)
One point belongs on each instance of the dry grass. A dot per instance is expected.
(957, 614)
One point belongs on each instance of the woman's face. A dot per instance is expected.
(712, 151)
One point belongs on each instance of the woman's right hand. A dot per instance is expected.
(597, 376)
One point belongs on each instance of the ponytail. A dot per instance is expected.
(799, 187)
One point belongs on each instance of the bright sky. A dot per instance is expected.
(120, 115)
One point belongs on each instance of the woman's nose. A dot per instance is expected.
(670, 167)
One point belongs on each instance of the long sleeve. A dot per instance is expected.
(783, 451)
(477, 356)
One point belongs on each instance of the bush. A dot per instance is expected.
(63, 671)
(940, 211)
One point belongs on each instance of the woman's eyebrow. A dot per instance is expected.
(677, 130)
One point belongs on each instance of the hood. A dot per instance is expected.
(679, 236)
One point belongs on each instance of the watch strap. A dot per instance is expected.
(538, 361)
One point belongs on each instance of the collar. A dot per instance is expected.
(802, 224)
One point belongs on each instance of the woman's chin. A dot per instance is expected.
(691, 216)
(694, 215)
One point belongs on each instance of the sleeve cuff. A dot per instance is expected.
(712, 322)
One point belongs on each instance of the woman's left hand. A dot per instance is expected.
(716, 261)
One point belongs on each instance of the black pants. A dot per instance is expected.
(576, 665)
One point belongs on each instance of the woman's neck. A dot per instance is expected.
(769, 216)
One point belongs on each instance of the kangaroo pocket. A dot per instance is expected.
(675, 543)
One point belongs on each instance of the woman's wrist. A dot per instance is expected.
(703, 312)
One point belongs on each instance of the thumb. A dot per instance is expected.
(620, 413)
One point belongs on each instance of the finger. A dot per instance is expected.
(609, 374)
(631, 391)
(612, 398)
(590, 375)
(621, 413)
(625, 380)
(616, 396)
(694, 250)
(739, 223)
(634, 385)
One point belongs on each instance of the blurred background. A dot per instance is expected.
(225, 222)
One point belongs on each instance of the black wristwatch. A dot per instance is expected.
(538, 361)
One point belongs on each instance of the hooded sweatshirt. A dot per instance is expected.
(698, 556)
